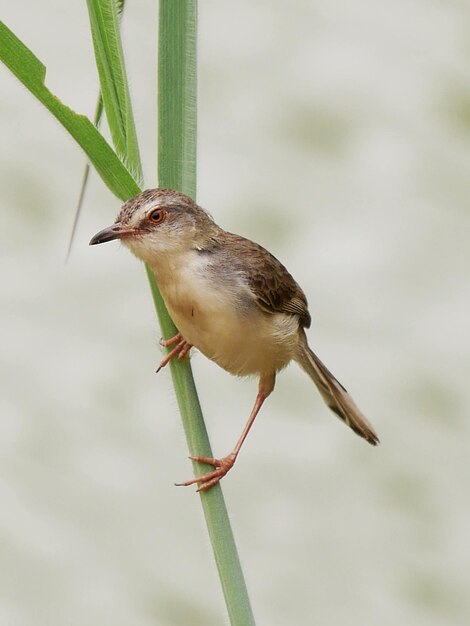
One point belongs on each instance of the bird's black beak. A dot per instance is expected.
(116, 231)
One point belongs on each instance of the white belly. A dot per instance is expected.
(238, 337)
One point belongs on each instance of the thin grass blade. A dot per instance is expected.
(113, 82)
(86, 170)
(85, 178)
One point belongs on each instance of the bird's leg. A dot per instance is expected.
(223, 465)
(181, 349)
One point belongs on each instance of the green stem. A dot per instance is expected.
(177, 170)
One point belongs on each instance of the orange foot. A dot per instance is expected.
(222, 466)
(181, 349)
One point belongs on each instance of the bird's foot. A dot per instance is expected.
(181, 349)
(222, 466)
(166, 343)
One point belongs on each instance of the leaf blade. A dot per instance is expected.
(32, 73)
(114, 87)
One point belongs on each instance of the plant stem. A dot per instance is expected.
(177, 170)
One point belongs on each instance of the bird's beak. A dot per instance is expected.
(116, 231)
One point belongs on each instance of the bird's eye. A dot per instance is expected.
(156, 216)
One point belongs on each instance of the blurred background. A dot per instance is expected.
(337, 135)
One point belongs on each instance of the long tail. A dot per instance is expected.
(335, 395)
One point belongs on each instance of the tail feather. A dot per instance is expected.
(335, 395)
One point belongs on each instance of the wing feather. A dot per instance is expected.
(275, 290)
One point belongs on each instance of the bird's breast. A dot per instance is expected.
(218, 315)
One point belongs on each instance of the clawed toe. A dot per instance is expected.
(166, 343)
(184, 351)
(208, 480)
(180, 350)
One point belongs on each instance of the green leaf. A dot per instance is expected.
(31, 72)
(113, 81)
(86, 170)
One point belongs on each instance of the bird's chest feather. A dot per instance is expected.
(217, 314)
(197, 304)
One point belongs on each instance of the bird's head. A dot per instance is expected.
(158, 222)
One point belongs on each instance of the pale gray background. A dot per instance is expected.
(338, 135)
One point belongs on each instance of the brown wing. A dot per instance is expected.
(275, 289)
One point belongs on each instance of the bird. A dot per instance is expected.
(229, 298)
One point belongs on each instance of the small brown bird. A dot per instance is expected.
(231, 299)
